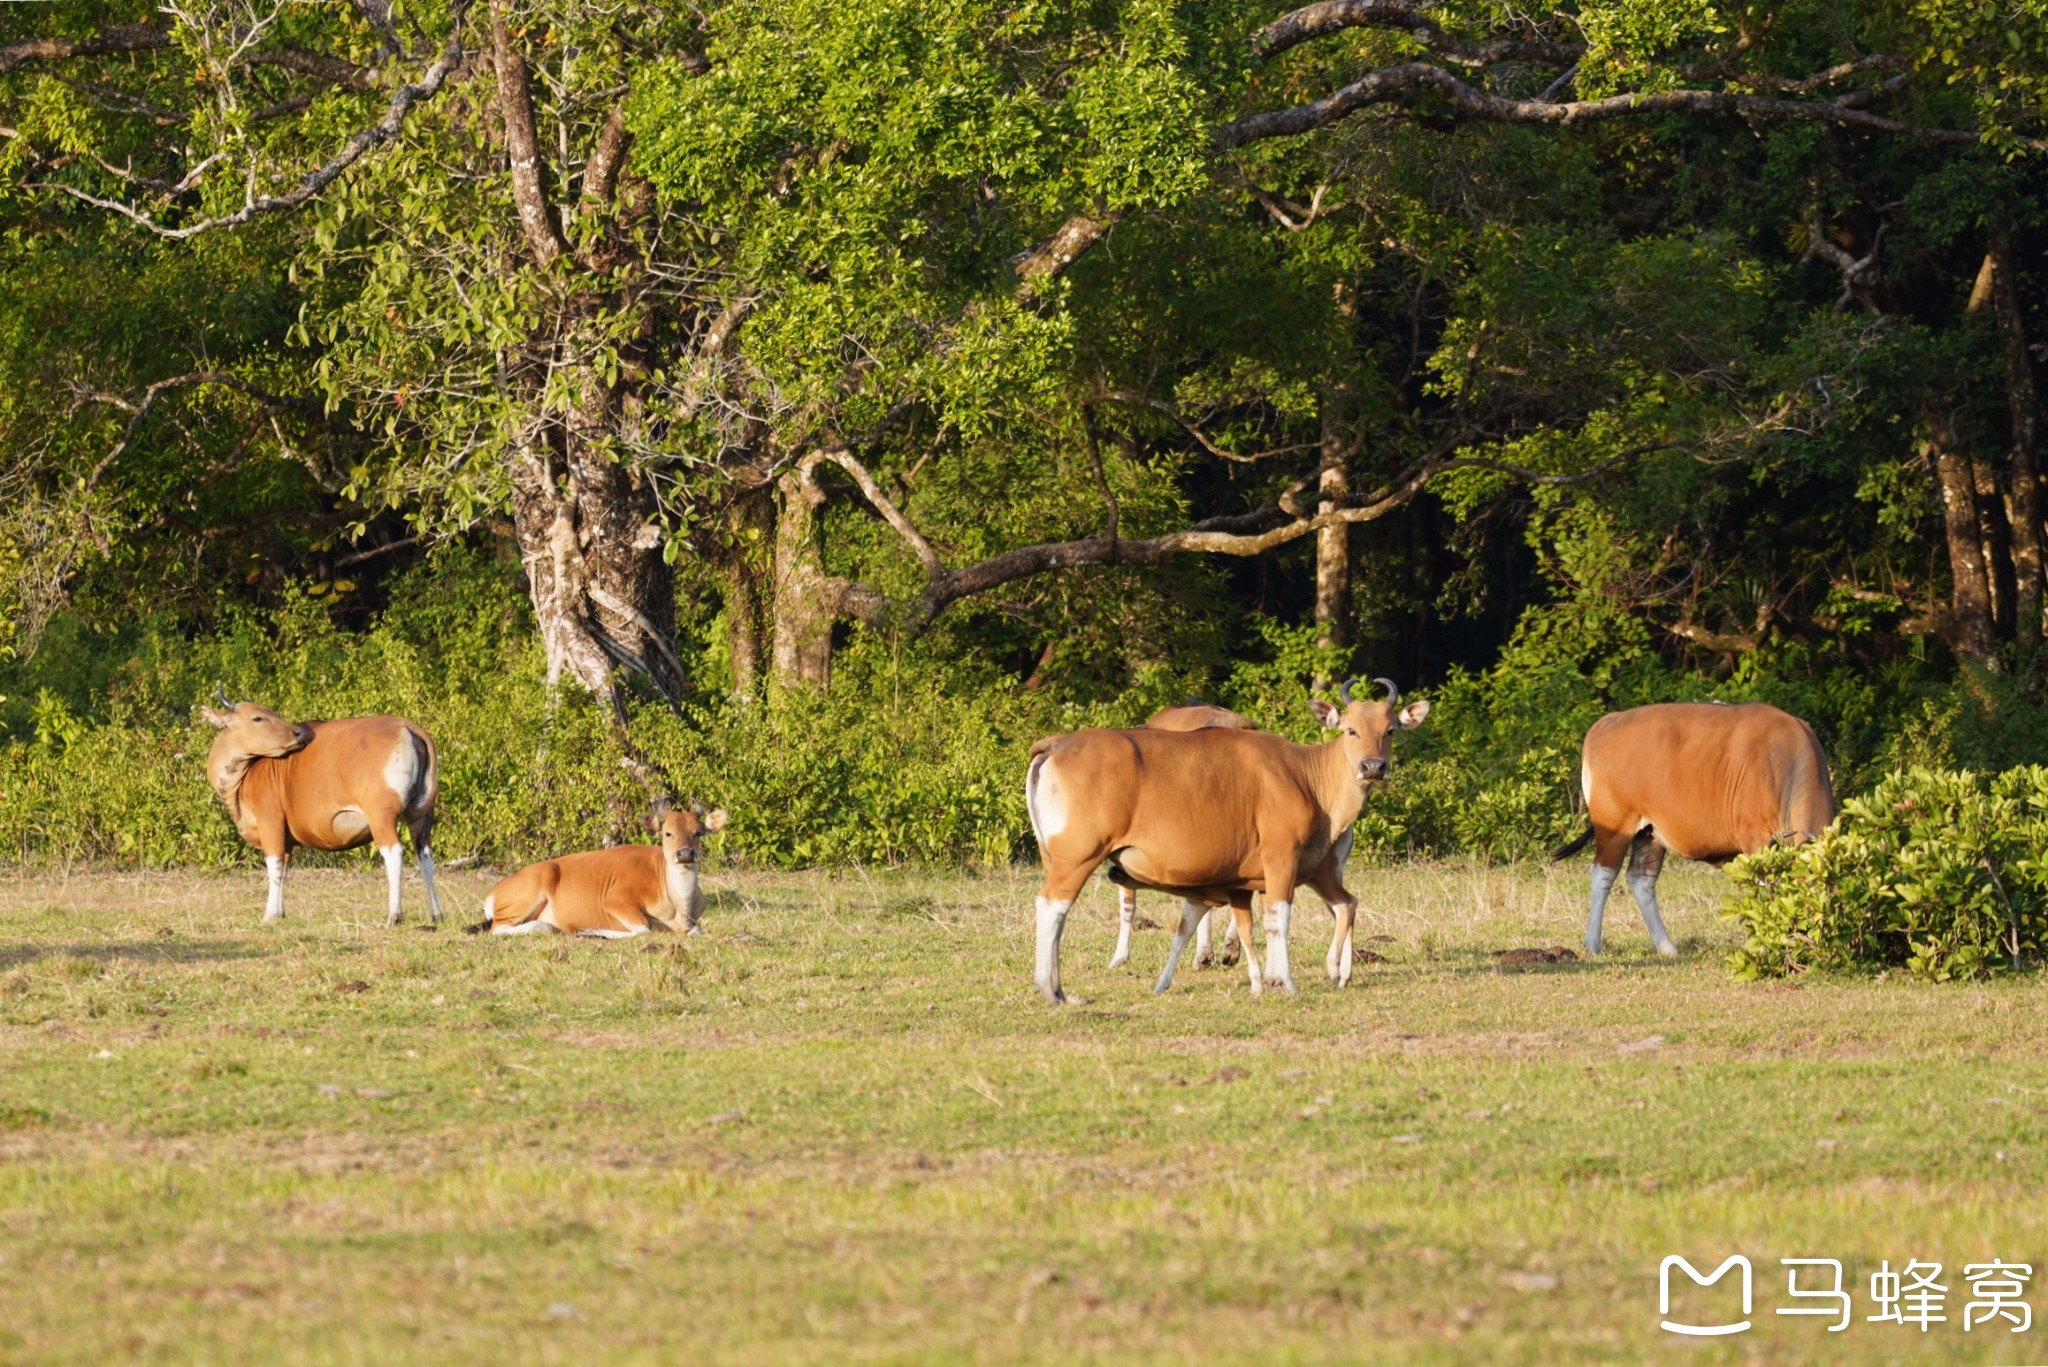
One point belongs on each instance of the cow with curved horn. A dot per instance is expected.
(1707, 780)
(1210, 815)
(611, 894)
(325, 785)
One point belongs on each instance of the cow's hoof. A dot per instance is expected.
(1053, 996)
(1592, 948)
(1285, 986)
(1668, 950)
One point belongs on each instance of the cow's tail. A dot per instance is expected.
(1567, 851)
(426, 777)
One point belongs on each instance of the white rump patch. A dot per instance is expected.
(402, 770)
(1586, 782)
(1047, 801)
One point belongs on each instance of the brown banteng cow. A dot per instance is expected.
(612, 894)
(1207, 814)
(1707, 780)
(1193, 717)
(326, 785)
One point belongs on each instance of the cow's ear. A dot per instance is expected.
(716, 821)
(1412, 715)
(213, 718)
(652, 823)
(1326, 712)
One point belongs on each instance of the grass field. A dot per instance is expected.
(839, 1126)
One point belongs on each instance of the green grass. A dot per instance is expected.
(839, 1126)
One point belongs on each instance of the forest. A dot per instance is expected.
(804, 406)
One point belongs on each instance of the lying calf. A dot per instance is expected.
(612, 894)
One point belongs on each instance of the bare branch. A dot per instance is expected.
(1330, 16)
(128, 38)
(333, 70)
(1412, 80)
(352, 151)
(1236, 536)
(1193, 430)
(1050, 258)
(522, 147)
(872, 491)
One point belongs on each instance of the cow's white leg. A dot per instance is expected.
(1644, 886)
(534, 927)
(611, 934)
(1338, 961)
(273, 870)
(1204, 950)
(1251, 964)
(425, 856)
(1126, 915)
(1278, 971)
(1052, 921)
(1191, 916)
(1603, 883)
(394, 874)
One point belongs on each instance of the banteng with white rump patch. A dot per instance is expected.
(1193, 717)
(611, 894)
(1208, 815)
(1707, 780)
(326, 785)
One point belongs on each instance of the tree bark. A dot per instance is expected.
(1333, 542)
(807, 600)
(1998, 557)
(601, 591)
(748, 567)
(588, 521)
(2023, 406)
(1969, 629)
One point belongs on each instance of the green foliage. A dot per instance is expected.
(1939, 872)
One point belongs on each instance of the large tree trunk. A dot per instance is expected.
(2023, 405)
(588, 522)
(1969, 628)
(1333, 543)
(807, 599)
(1992, 498)
(749, 573)
(602, 593)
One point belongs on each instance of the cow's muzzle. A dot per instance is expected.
(1371, 770)
(686, 857)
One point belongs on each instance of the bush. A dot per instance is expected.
(1939, 872)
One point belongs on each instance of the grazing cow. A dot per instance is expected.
(1193, 717)
(1707, 780)
(611, 894)
(1210, 815)
(326, 785)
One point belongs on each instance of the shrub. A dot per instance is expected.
(1936, 871)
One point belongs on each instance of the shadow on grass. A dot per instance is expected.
(147, 951)
(1488, 962)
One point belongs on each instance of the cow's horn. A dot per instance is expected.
(1393, 693)
(220, 695)
(662, 804)
(1344, 691)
